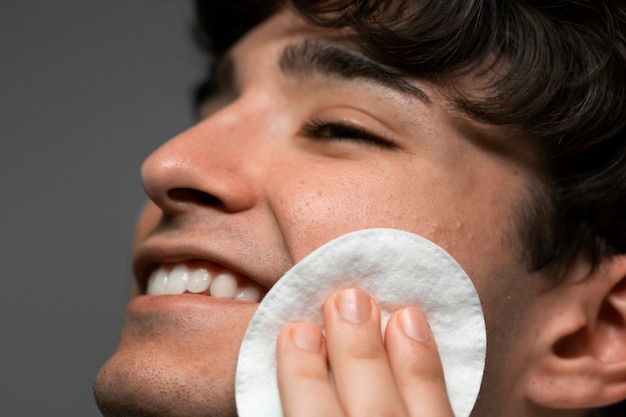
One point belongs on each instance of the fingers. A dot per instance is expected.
(401, 376)
(416, 364)
(302, 373)
(363, 377)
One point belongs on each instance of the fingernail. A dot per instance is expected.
(414, 324)
(307, 336)
(354, 305)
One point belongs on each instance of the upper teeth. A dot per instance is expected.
(183, 278)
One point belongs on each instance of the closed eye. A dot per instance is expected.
(322, 130)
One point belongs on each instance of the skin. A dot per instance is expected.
(251, 189)
(406, 366)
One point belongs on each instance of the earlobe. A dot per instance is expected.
(582, 358)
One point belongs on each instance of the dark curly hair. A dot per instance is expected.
(559, 81)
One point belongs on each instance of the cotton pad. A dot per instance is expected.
(397, 269)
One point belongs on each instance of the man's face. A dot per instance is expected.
(301, 144)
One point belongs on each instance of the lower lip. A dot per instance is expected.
(161, 303)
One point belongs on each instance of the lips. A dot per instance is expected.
(167, 262)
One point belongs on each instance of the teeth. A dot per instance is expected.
(199, 281)
(182, 278)
(249, 293)
(177, 283)
(158, 282)
(224, 286)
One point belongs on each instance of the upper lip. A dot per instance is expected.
(149, 257)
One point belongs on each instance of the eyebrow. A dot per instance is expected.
(311, 57)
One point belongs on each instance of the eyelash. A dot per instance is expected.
(320, 129)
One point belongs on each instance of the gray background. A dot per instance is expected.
(87, 89)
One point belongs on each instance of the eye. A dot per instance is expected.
(322, 130)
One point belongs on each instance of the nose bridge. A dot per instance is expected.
(213, 162)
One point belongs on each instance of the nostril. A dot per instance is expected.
(189, 195)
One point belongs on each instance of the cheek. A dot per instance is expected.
(313, 210)
(322, 205)
(467, 217)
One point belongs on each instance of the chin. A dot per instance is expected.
(138, 382)
(177, 358)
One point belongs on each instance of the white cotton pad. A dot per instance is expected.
(397, 269)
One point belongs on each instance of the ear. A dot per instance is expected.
(581, 356)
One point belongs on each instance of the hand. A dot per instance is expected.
(401, 376)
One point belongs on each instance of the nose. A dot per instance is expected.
(205, 166)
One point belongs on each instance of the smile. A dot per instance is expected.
(184, 278)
